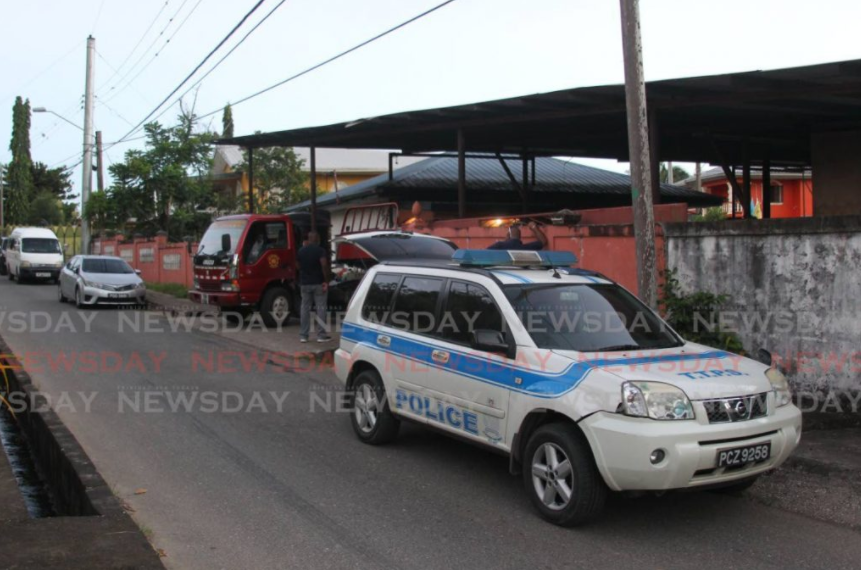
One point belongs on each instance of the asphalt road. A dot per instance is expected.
(294, 489)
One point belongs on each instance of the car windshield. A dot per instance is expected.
(588, 318)
(211, 242)
(106, 266)
(394, 246)
(40, 245)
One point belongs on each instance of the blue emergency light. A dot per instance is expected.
(502, 257)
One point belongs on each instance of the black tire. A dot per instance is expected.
(60, 295)
(737, 487)
(582, 481)
(273, 299)
(384, 427)
(236, 316)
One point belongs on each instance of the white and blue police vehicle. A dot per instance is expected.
(585, 388)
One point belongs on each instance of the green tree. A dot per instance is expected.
(18, 177)
(278, 178)
(227, 122)
(45, 210)
(167, 185)
(679, 173)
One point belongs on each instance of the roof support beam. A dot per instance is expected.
(461, 174)
(745, 179)
(514, 184)
(250, 180)
(313, 153)
(766, 188)
(729, 173)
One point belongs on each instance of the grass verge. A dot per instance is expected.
(175, 289)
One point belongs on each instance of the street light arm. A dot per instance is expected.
(44, 110)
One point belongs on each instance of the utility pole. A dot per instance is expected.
(670, 177)
(638, 149)
(100, 173)
(699, 175)
(87, 184)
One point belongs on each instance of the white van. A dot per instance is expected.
(34, 253)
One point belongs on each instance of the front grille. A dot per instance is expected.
(725, 410)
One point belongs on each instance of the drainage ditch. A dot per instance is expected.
(33, 488)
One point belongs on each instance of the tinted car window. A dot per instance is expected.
(379, 297)
(415, 304)
(395, 246)
(105, 266)
(468, 308)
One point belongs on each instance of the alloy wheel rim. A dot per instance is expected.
(280, 308)
(552, 476)
(366, 408)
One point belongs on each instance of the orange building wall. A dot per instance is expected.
(797, 196)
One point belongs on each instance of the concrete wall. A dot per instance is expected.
(795, 288)
(838, 173)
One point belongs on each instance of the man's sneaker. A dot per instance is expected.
(324, 339)
(303, 339)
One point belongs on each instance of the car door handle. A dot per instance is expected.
(384, 341)
(440, 356)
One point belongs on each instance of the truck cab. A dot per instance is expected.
(247, 263)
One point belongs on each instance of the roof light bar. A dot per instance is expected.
(496, 257)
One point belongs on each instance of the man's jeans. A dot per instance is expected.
(313, 295)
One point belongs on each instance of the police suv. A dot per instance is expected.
(584, 387)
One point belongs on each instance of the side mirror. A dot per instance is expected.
(490, 341)
(765, 357)
(225, 242)
(137, 271)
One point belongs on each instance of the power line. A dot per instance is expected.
(220, 61)
(137, 45)
(146, 52)
(331, 59)
(197, 67)
(153, 58)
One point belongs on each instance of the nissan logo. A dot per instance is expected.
(740, 409)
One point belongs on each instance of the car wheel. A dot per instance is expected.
(276, 307)
(560, 475)
(736, 487)
(371, 416)
(60, 296)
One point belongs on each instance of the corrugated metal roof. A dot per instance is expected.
(716, 173)
(552, 175)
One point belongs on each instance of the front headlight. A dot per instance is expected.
(58, 264)
(780, 386)
(140, 285)
(656, 400)
(25, 263)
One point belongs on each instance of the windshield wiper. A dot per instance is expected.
(619, 347)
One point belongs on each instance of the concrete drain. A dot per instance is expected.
(33, 489)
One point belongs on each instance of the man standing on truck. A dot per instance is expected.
(514, 242)
(314, 285)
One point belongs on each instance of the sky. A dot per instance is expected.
(468, 51)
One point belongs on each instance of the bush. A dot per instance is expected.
(686, 313)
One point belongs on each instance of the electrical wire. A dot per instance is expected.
(197, 67)
(146, 52)
(137, 45)
(166, 43)
(331, 59)
(220, 61)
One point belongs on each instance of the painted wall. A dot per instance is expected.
(794, 287)
(797, 196)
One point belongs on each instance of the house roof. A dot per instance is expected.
(701, 119)
(341, 160)
(552, 176)
(716, 173)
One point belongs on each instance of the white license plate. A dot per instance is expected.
(42, 274)
(744, 455)
(116, 295)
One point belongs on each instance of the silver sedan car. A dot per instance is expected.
(94, 279)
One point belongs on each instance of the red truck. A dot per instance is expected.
(247, 262)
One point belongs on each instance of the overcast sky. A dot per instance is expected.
(471, 50)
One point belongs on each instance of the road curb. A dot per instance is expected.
(75, 485)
